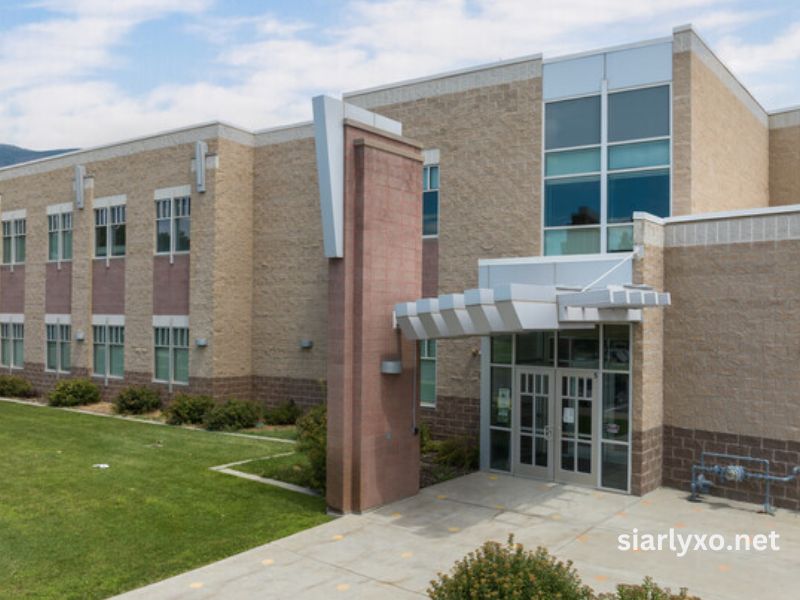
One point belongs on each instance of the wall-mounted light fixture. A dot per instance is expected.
(201, 342)
(391, 367)
(80, 335)
(306, 344)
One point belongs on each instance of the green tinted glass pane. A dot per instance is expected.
(572, 123)
(537, 348)
(632, 156)
(501, 349)
(20, 249)
(430, 213)
(571, 241)
(182, 234)
(615, 466)
(645, 191)
(52, 355)
(118, 240)
(52, 245)
(579, 348)
(616, 409)
(500, 450)
(5, 352)
(117, 362)
(19, 353)
(576, 161)
(6, 250)
(67, 242)
(162, 235)
(66, 356)
(638, 114)
(427, 381)
(620, 239)
(181, 365)
(99, 359)
(616, 348)
(162, 364)
(500, 404)
(100, 241)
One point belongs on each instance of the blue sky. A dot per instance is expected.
(87, 72)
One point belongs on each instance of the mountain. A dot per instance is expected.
(11, 155)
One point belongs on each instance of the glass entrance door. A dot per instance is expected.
(533, 427)
(576, 444)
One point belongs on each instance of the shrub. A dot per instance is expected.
(283, 414)
(13, 386)
(136, 400)
(233, 415)
(426, 443)
(312, 439)
(510, 571)
(74, 392)
(186, 408)
(646, 591)
(458, 452)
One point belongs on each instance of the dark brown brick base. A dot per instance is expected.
(682, 449)
(453, 417)
(277, 390)
(646, 461)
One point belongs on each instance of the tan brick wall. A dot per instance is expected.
(721, 149)
(290, 271)
(730, 339)
(490, 143)
(784, 165)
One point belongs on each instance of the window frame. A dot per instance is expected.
(113, 213)
(426, 188)
(604, 226)
(14, 229)
(64, 222)
(425, 357)
(171, 202)
(12, 332)
(62, 338)
(172, 331)
(108, 328)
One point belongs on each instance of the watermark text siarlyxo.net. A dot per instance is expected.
(681, 543)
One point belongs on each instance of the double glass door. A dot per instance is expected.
(554, 427)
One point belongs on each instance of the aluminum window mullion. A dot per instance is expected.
(604, 167)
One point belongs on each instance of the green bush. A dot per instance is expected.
(458, 452)
(14, 386)
(187, 408)
(312, 439)
(136, 400)
(509, 571)
(426, 443)
(283, 414)
(74, 392)
(233, 415)
(646, 591)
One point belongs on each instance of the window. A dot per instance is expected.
(109, 231)
(59, 358)
(59, 226)
(430, 200)
(109, 350)
(427, 372)
(171, 354)
(12, 349)
(601, 167)
(173, 226)
(14, 231)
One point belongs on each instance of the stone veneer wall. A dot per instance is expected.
(784, 158)
(730, 346)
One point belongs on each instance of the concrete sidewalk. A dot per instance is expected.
(395, 551)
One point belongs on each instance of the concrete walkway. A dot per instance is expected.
(394, 552)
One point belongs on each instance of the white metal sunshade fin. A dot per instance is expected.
(526, 307)
(408, 321)
(483, 311)
(455, 315)
(431, 319)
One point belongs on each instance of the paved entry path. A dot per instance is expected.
(394, 552)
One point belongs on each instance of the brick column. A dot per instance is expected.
(373, 450)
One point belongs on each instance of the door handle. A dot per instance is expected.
(548, 432)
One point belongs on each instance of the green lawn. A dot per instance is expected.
(293, 468)
(68, 530)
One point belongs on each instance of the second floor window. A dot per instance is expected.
(109, 350)
(59, 239)
(14, 242)
(430, 200)
(109, 231)
(173, 225)
(58, 349)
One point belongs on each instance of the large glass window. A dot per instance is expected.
(571, 123)
(430, 200)
(536, 349)
(109, 231)
(14, 232)
(579, 348)
(427, 372)
(109, 350)
(638, 114)
(173, 225)
(59, 357)
(171, 354)
(59, 240)
(600, 168)
(12, 345)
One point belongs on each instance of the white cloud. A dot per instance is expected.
(62, 94)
